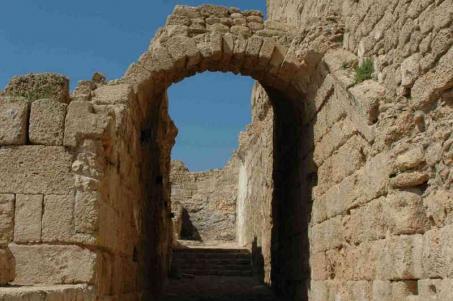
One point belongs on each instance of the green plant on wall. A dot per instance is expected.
(364, 71)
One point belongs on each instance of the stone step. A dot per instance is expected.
(216, 272)
(217, 262)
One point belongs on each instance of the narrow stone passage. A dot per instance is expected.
(214, 272)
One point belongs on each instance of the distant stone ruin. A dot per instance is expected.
(344, 176)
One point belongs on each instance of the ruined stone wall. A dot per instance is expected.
(209, 201)
(255, 183)
(381, 202)
(77, 204)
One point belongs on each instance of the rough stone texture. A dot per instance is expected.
(27, 221)
(35, 86)
(344, 189)
(49, 264)
(13, 122)
(76, 292)
(47, 122)
(208, 200)
(6, 218)
(7, 272)
(35, 170)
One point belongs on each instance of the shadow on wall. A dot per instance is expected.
(188, 230)
(257, 260)
(294, 176)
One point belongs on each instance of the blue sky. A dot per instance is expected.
(77, 38)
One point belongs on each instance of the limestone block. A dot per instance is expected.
(213, 10)
(13, 122)
(6, 218)
(82, 122)
(47, 122)
(158, 60)
(365, 223)
(367, 95)
(241, 30)
(404, 213)
(266, 52)
(318, 266)
(57, 220)
(399, 258)
(176, 49)
(346, 160)
(27, 222)
(34, 169)
(76, 292)
(178, 20)
(7, 271)
(382, 291)
(410, 159)
(410, 70)
(228, 47)
(409, 179)
(255, 26)
(113, 94)
(427, 86)
(53, 264)
(332, 140)
(86, 212)
(438, 289)
(327, 235)
(254, 46)
(240, 45)
(83, 90)
(439, 206)
(319, 291)
(401, 290)
(188, 11)
(38, 86)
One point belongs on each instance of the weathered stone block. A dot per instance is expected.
(35, 169)
(27, 222)
(327, 235)
(57, 220)
(6, 218)
(86, 212)
(13, 122)
(7, 271)
(399, 258)
(382, 291)
(47, 122)
(75, 292)
(51, 264)
(404, 213)
(113, 94)
(39, 85)
(82, 121)
(438, 289)
(346, 160)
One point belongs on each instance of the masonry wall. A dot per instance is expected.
(379, 223)
(208, 199)
(80, 200)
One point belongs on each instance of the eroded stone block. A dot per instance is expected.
(7, 267)
(57, 220)
(82, 121)
(52, 264)
(6, 218)
(13, 122)
(35, 169)
(27, 222)
(39, 85)
(47, 122)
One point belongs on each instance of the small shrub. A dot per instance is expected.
(364, 71)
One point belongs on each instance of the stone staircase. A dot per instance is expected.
(212, 262)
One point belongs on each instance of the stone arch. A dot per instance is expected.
(214, 38)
